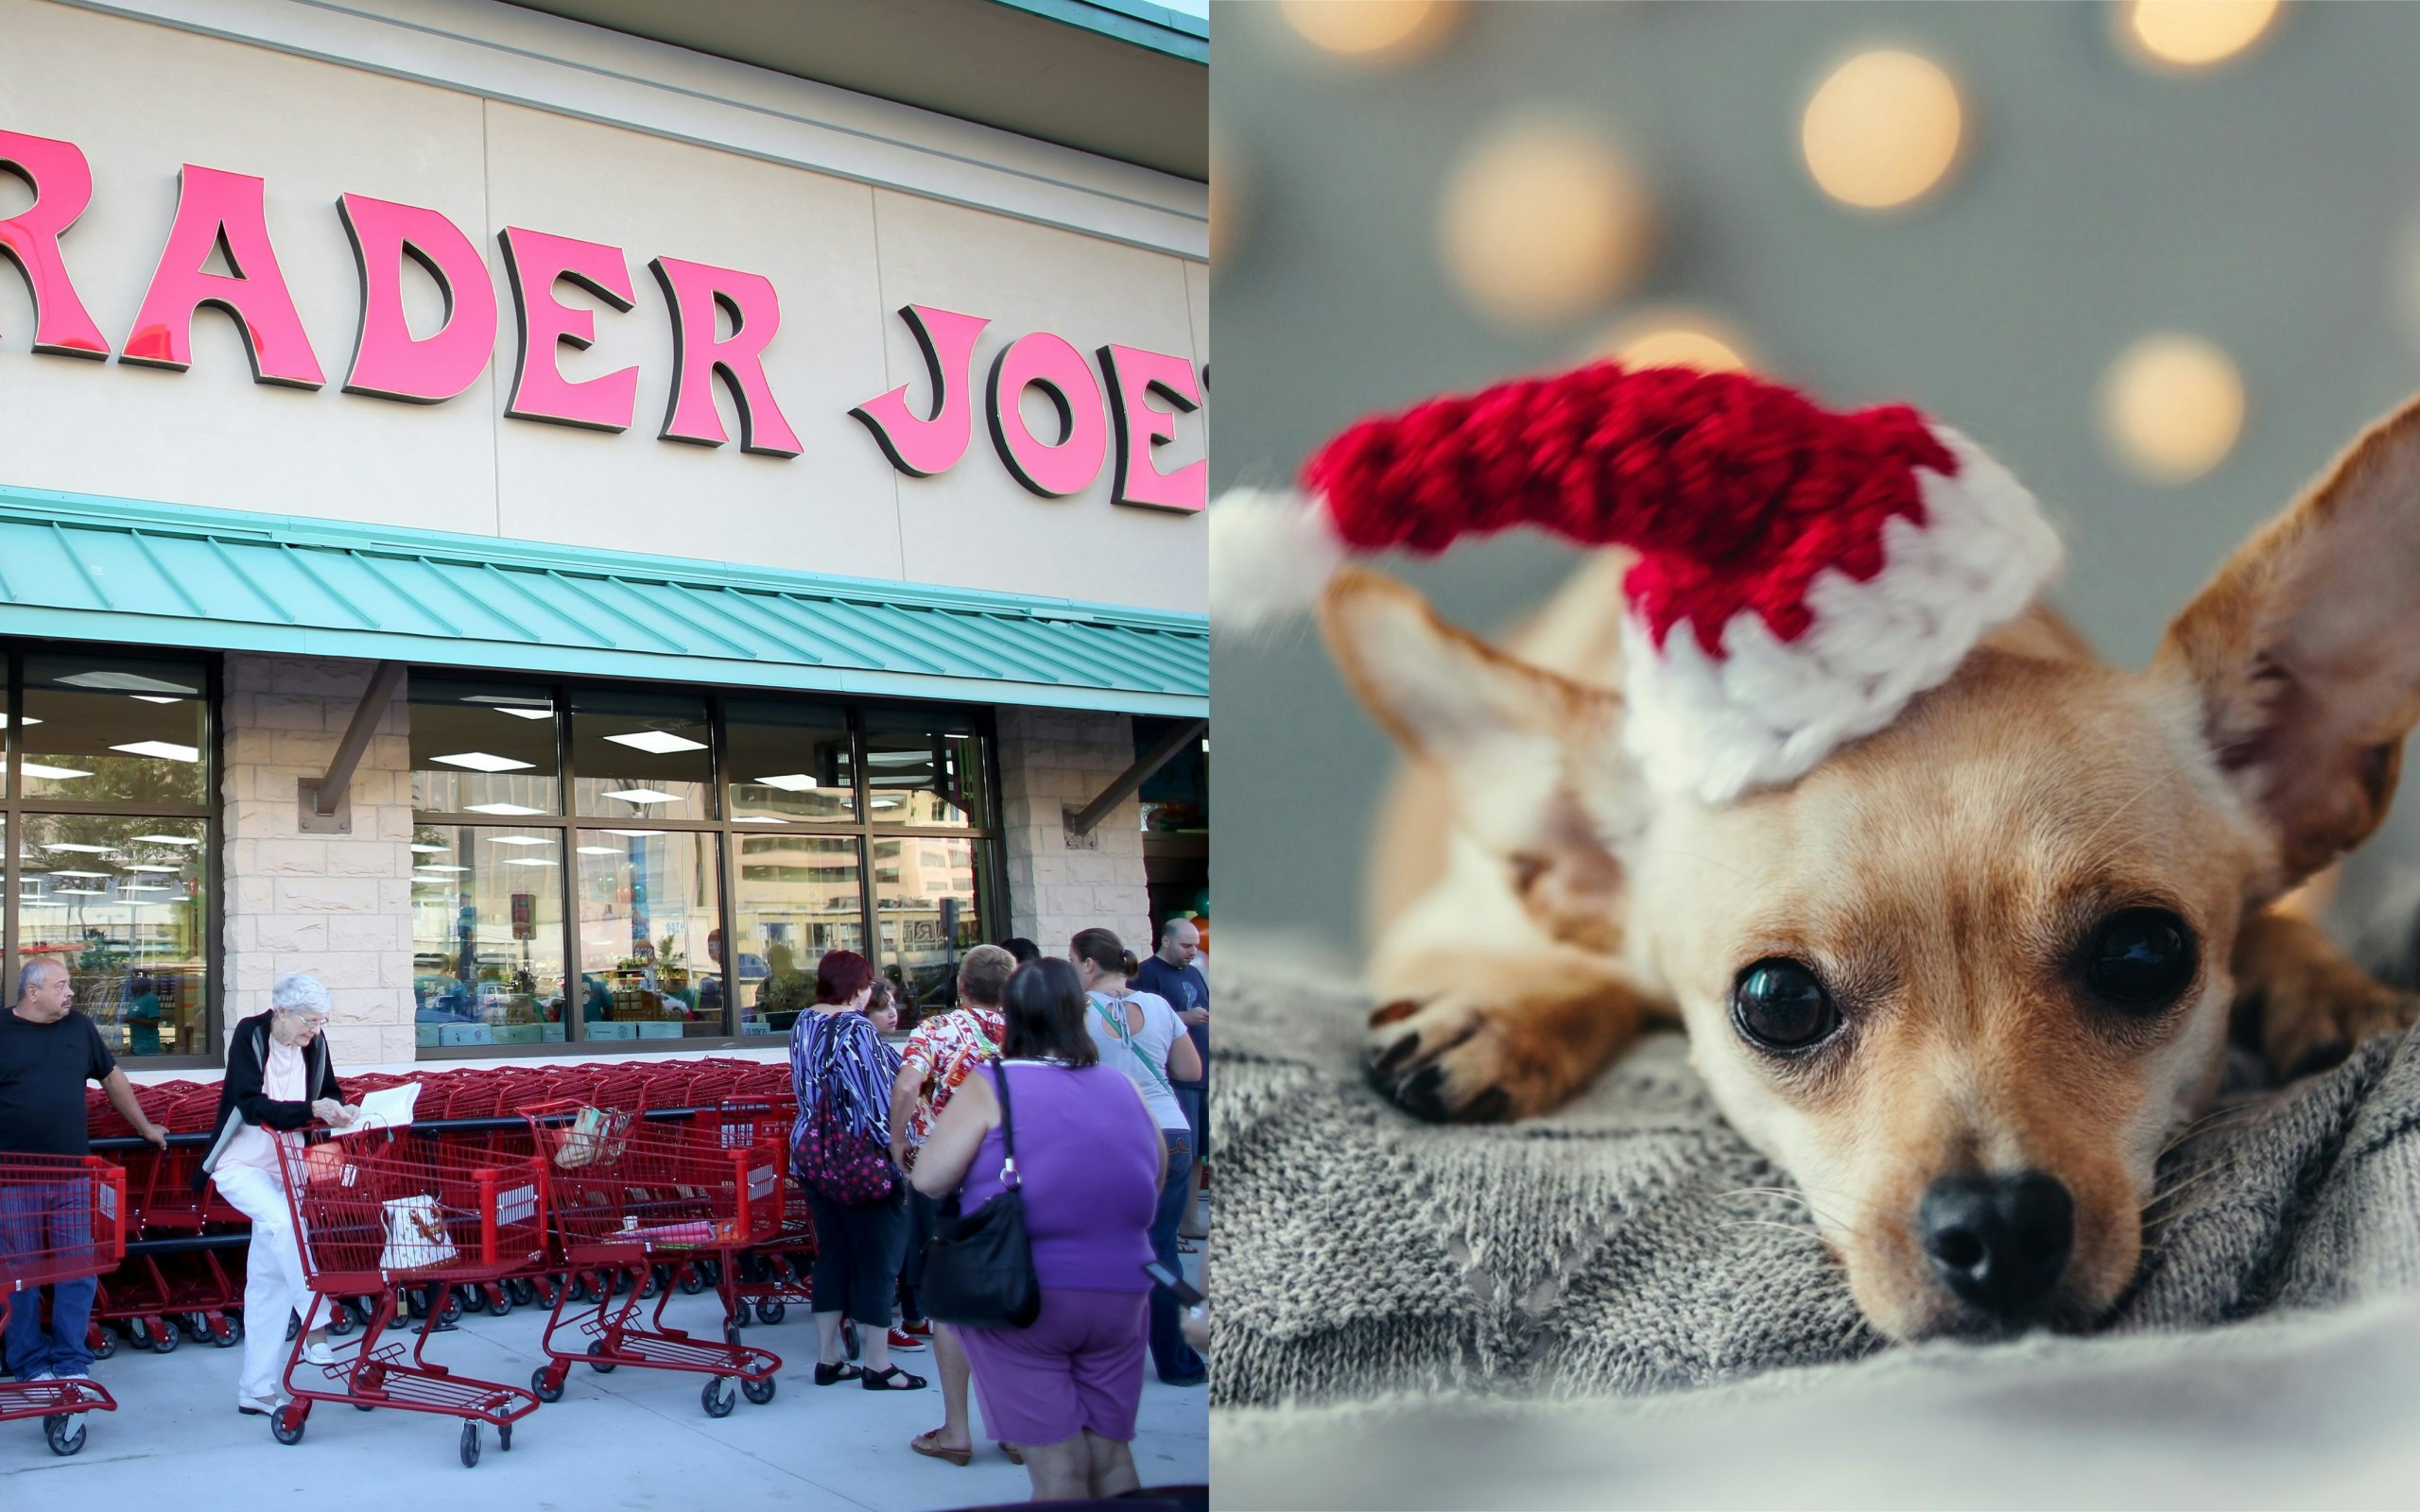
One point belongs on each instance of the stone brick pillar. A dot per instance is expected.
(337, 906)
(1053, 759)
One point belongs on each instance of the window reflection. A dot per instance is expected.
(924, 902)
(486, 935)
(483, 748)
(640, 756)
(923, 767)
(789, 762)
(124, 903)
(797, 898)
(650, 945)
(103, 729)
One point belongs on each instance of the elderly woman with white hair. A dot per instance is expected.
(279, 1080)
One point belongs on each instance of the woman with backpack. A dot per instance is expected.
(840, 1151)
(1141, 1035)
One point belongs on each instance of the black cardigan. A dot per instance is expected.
(240, 1092)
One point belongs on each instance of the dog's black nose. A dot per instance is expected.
(1999, 1242)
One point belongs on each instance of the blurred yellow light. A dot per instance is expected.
(1373, 31)
(2197, 33)
(1883, 129)
(1673, 338)
(1543, 222)
(2172, 406)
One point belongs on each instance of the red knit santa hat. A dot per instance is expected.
(1801, 575)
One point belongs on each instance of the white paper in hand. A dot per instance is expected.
(384, 1109)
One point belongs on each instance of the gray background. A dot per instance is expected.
(2264, 204)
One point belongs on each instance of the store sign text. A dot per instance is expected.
(1132, 399)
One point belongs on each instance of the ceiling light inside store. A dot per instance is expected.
(603, 850)
(166, 839)
(480, 760)
(4, 722)
(66, 873)
(166, 750)
(518, 713)
(529, 860)
(518, 839)
(511, 809)
(145, 888)
(640, 795)
(1883, 129)
(136, 865)
(86, 892)
(440, 868)
(2171, 406)
(886, 803)
(1376, 33)
(789, 781)
(635, 834)
(657, 742)
(78, 845)
(55, 773)
(2194, 33)
(124, 682)
(152, 697)
(758, 819)
(431, 850)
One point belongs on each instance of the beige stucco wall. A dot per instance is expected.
(1051, 761)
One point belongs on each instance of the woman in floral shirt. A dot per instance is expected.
(941, 1053)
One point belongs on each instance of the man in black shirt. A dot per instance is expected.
(47, 1053)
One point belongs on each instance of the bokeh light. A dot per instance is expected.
(1380, 33)
(1673, 336)
(2193, 33)
(2171, 406)
(1544, 221)
(1883, 129)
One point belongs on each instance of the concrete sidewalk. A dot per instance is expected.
(632, 1440)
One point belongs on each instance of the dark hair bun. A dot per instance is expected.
(1127, 962)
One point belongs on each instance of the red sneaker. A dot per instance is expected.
(922, 1328)
(902, 1339)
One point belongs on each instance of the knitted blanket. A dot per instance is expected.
(1617, 1247)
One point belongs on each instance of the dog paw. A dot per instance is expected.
(2322, 1034)
(1455, 1061)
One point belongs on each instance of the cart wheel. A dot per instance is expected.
(470, 1445)
(504, 1437)
(719, 1398)
(453, 1311)
(65, 1432)
(603, 1367)
(363, 1406)
(523, 1292)
(652, 1284)
(286, 1427)
(501, 1304)
(472, 1301)
(771, 1312)
(164, 1342)
(759, 1392)
(544, 1387)
(416, 1301)
(576, 1289)
(230, 1333)
(849, 1337)
(692, 1281)
(107, 1345)
(340, 1319)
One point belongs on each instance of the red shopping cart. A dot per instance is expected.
(390, 1209)
(629, 1196)
(61, 1217)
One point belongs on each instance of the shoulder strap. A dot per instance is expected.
(1009, 1178)
(1116, 1023)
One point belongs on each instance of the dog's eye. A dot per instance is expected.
(1779, 1005)
(2140, 958)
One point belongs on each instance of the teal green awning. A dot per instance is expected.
(80, 568)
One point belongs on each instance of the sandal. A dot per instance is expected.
(924, 1444)
(893, 1379)
(831, 1375)
(1016, 1455)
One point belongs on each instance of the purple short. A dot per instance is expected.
(1080, 1366)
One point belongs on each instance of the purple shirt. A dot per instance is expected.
(1089, 1155)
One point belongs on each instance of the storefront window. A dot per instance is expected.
(649, 933)
(486, 935)
(924, 905)
(789, 762)
(98, 729)
(797, 897)
(640, 757)
(923, 767)
(124, 903)
(483, 748)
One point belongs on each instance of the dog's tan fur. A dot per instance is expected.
(1538, 906)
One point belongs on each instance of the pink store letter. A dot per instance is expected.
(535, 261)
(917, 446)
(387, 361)
(1069, 464)
(695, 292)
(1136, 377)
(217, 210)
(62, 186)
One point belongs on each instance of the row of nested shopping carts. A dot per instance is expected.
(587, 1189)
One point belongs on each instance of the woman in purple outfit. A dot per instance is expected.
(1089, 1156)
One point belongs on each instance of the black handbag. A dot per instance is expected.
(979, 1268)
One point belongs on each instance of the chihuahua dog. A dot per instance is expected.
(1965, 978)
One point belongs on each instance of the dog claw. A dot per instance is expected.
(1418, 1096)
(1395, 1012)
(1395, 1054)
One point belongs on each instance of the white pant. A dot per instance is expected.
(273, 1284)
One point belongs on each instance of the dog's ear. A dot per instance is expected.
(1534, 761)
(2305, 651)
